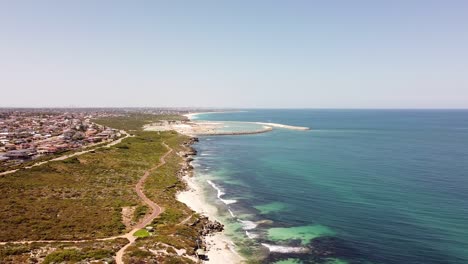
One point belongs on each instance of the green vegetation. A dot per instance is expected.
(136, 252)
(72, 160)
(82, 198)
(60, 252)
(12, 250)
(132, 122)
(140, 211)
(42, 202)
(141, 255)
(69, 255)
(142, 233)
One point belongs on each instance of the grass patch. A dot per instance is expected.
(142, 233)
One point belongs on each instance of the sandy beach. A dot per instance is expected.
(204, 128)
(220, 248)
(214, 128)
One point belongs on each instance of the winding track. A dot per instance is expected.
(156, 210)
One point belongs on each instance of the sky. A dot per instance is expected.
(234, 54)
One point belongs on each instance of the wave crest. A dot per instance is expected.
(221, 193)
(248, 225)
(251, 235)
(285, 249)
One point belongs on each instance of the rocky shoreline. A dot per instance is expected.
(213, 245)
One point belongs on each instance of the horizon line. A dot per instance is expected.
(253, 108)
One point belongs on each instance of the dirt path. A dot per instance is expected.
(155, 211)
(64, 157)
(183, 222)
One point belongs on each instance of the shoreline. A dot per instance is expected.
(220, 249)
(265, 124)
(214, 128)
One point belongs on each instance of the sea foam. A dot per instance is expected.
(232, 214)
(285, 249)
(248, 225)
(221, 193)
(250, 235)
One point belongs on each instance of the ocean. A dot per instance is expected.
(362, 186)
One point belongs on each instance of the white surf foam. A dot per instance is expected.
(248, 225)
(285, 249)
(232, 214)
(221, 193)
(283, 126)
(251, 235)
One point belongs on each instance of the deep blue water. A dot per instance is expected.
(363, 186)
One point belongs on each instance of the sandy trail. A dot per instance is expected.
(155, 211)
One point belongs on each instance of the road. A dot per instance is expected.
(115, 142)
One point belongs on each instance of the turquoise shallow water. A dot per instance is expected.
(363, 186)
(238, 127)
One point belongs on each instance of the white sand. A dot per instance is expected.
(186, 128)
(211, 128)
(220, 248)
(197, 128)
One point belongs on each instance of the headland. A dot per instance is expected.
(217, 128)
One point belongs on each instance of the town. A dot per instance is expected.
(29, 135)
(33, 134)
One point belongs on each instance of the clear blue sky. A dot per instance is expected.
(332, 54)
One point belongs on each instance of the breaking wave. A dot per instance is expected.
(221, 193)
(250, 235)
(248, 225)
(285, 249)
(232, 214)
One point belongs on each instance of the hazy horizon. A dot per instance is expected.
(224, 108)
(243, 54)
